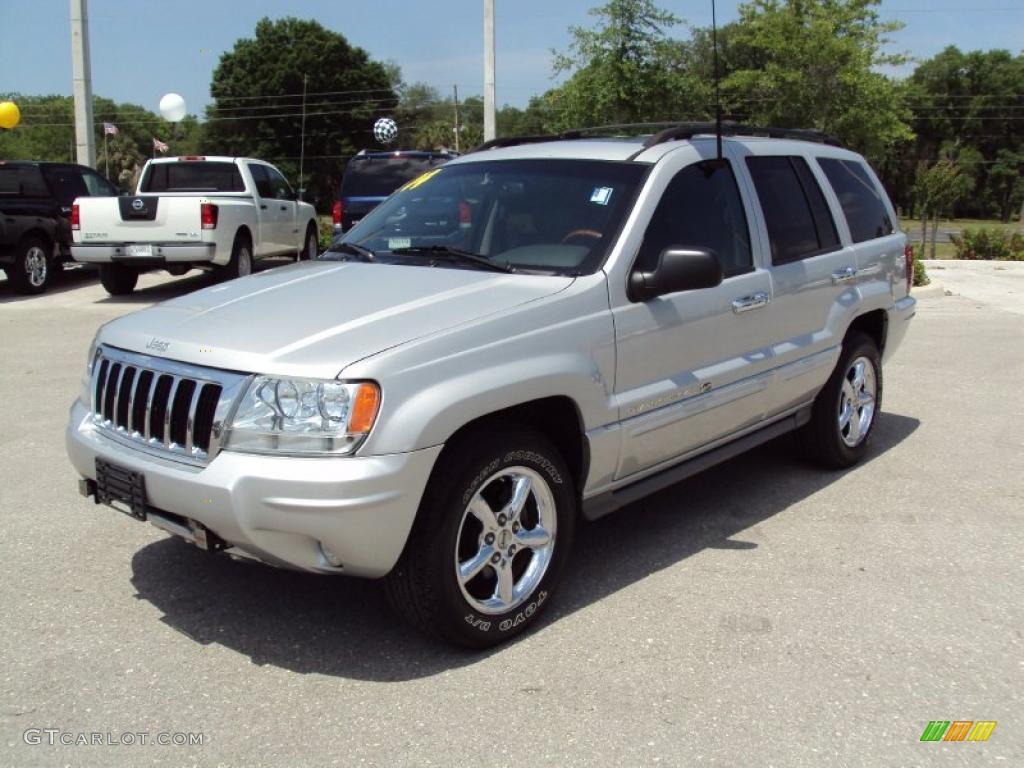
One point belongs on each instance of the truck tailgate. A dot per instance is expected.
(138, 219)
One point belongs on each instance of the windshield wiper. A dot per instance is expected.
(351, 249)
(456, 254)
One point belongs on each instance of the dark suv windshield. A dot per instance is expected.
(380, 175)
(548, 215)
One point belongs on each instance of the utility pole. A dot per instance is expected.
(458, 127)
(490, 123)
(302, 146)
(82, 74)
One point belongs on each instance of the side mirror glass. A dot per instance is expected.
(679, 269)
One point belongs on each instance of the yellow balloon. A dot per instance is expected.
(10, 115)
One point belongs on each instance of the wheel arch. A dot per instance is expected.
(874, 324)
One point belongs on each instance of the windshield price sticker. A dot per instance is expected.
(421, 179)
(601, 195)
(399, 242)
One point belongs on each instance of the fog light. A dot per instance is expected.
(332, 559)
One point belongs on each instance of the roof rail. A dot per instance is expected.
(731, 128)
(666, 132)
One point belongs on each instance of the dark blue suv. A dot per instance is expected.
(371, 176)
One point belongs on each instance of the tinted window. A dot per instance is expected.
(197, 176)
(379, 176)
(97, 185)
(22, 181)
(795, 211)
(859, 198)
(280, 189)
(67, 184)
(701, 208)
(261, 179)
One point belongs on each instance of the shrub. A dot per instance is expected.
(990, 244)
(920, 273)
(326, 232)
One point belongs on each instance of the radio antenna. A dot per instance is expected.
(718, 96)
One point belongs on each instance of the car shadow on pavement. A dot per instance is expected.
(71, 277)
(344, 627)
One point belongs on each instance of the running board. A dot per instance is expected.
(609, 501)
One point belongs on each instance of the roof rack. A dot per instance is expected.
(665, 132)
(731, 128)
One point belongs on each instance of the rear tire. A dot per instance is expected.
(32, 270)
(311, 245)
(481, 562)
(118, 279)
(846, 410)
(241, 260)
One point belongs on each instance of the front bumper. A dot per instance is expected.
(280, 509)
(105, 253)
(899, 320)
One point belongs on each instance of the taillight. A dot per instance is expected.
(208, 215)
(465, 215)
(908, 257)
(76, 222)
(338, 210)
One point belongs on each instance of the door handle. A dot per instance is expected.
(747, 303)
(844, 275)
(284, 207)
(263, 206)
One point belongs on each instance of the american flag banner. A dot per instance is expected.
(109, 129)
(159, 146)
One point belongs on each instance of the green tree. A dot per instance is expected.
(813, 64)
(624, 70)
(1006, 183)
(938, 189)
(257, 89)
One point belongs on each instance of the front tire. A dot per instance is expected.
(845, 411)
(490, 540)
(32, 270)
(311, 245)
(118, 279)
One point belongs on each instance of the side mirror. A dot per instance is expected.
(679, 269)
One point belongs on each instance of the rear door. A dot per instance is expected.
(287, 236)
(276, 218)
(810, 273)
(693, 367)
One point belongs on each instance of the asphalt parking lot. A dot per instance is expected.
(762, 614)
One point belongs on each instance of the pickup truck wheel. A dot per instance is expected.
(241, 260)
(311, 245)
(117, 279)
(31, 271)
(845, 411)
(490, 540)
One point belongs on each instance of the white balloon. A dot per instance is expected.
(172, 107)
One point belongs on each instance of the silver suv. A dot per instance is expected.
(533, 333)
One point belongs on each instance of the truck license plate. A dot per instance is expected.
(139, 250)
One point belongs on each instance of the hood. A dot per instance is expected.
(314, 318)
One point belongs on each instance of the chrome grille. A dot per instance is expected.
(162, 406)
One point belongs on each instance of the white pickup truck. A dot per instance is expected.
(216, 213)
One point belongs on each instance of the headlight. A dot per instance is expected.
(302, 416)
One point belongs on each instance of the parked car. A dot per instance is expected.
(219, 213)
(35, 210)
(535, 334)
(371, 176)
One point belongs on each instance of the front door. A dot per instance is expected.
(693, 367)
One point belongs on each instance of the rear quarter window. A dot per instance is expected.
(22, 181)
(861, 201)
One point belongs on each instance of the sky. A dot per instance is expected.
(142, 49)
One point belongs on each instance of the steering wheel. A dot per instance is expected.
(581, 233)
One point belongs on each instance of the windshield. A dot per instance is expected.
(379, 176)
(552, 216)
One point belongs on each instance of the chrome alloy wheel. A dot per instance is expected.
(857, 398)
(506, 540)
(36, 266)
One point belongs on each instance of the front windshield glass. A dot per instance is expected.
(551, 216)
